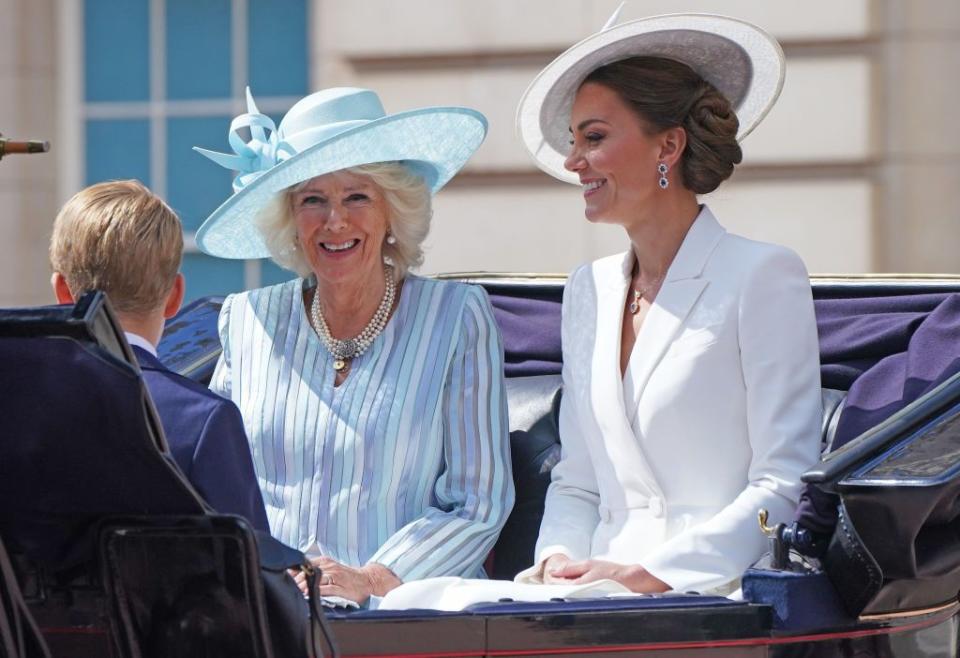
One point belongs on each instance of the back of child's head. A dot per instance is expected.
(121, 238)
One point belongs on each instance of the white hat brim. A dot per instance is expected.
(741, 60)
(435, 142)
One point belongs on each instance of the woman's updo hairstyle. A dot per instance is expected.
(666, 94)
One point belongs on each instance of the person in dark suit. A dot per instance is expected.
(121, 238)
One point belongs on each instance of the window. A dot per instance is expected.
(161, 76)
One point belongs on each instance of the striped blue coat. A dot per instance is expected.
(407, 462)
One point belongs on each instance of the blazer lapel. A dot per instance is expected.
(662, 323)
(633, 474)
(679, 293)
(611, 293)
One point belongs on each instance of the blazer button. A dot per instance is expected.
(657, 508)
(605, 514)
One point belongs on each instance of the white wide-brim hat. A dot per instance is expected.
(741, 60)
(325, 132)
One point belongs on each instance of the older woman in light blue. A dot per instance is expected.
(373, 398)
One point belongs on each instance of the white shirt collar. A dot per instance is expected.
(136, 340)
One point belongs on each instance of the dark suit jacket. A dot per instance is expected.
(207, 440)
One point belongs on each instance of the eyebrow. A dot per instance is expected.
(316, 190)
(586, 122)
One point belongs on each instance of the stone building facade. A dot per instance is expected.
(854, 168)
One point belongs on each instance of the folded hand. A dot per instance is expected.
(632, 576)
(353, 583)
(553, 566)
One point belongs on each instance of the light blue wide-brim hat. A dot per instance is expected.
(325, 132)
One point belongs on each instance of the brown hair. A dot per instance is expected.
(666, 94)
(121, 238)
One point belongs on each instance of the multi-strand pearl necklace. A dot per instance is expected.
(344, 350)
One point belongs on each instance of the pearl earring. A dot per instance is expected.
(391, 239)
(662, 169)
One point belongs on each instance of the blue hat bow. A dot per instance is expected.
(251, 157)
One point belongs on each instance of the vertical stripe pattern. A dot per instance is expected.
(407, 463)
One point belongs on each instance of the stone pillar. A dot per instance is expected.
(919, 210)
(28, 183)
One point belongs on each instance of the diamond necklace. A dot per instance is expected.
(639, 293)
(347, 349)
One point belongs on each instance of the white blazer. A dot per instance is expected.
(718, 414)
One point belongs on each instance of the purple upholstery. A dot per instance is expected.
(888, 351)
(531, 334)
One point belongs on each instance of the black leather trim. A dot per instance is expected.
(833, 402)
(854, 573)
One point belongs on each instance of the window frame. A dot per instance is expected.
(75, 111)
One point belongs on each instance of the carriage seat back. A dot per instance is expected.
(74, 430)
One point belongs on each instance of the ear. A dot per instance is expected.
(174, 297)
(672, 143)
(60, 289)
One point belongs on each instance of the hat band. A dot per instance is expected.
(252, 157)
(304, 139)
(265, 149)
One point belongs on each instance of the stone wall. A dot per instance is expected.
(28, 183)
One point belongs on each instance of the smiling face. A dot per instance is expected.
(342, 220)
(612, 153)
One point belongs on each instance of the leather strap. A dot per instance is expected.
(852, 569)
(19, 634)
(321, 639)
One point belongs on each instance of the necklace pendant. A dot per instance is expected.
(343, 351)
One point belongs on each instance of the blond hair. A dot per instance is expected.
(407, 197)
(121, 238)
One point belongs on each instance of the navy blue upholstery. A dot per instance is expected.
(649, 602)
(83, 456)
(534, 404)
(800, 600)
(65, 403)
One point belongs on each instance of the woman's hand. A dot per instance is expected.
(553, 565)
(632, 576)
(354, 584)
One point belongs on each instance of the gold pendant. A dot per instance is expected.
(339, 364)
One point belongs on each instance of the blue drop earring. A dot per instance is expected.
(662, 169)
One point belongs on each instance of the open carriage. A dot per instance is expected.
(115, 555)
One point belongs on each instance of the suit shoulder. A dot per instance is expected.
(582, 281)
(612, 263)
(601, 268)
(182, 388)
(450, 293)
(260, 295)
(450, 303)
(737, 253)
(266, 307)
